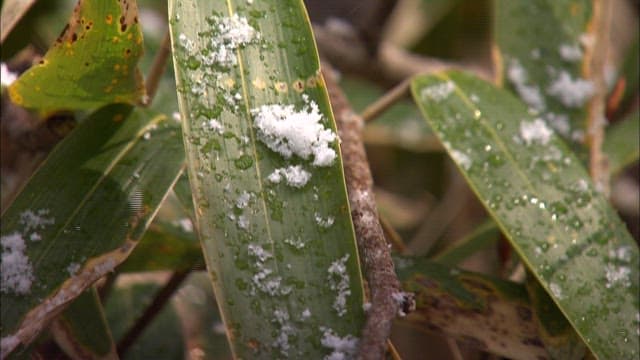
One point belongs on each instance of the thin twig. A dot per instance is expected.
(395, 355)
(157, 68)
(392, 235)
(387, 299)
(158, 303)
(596, 60)
(454, 349)
(392, 64)
(386, 101)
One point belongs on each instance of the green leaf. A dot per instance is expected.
(92, 63)
(165, 246)
(559, 338)
(621, 143)
(490, 314)
(83, 211)
(401, 125)
(82, 330)
(163, 338)
(541, 197)
(282, 258)
(540, 48)
(484, 235)
(199, 312)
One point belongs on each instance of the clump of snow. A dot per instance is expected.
(530, 94)
(214, 125)
(73, 268)
(438, 92)
(339, 282)
(6, 76)
(342, 347)
(281, 317)
(185, 224)
(535, 131)
(296, 243)
(263, 279)
(306, 313)
(622, 253)
(243, 222)
(229, 34)
(35, 220)
(570, 52)
(288, 131)
(461, 158)
(403, 299)
(16, 269)
(617, 274)
(556, 290)
(243, 200)
(570, 92)
(294, 175)
(260, 253)
(325, 223)
(35, 237)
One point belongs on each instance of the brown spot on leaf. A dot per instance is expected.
(109, 19)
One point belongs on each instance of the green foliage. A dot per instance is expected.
(541, 197)
(92, 63)
(282, 256)
(86, 207)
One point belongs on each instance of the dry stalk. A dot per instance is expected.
(386, 298)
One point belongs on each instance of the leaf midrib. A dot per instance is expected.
(105, 174)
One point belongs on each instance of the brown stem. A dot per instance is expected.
(386, 296)
(157, 68)
(158, 303)
(596, 59)
(394, 95)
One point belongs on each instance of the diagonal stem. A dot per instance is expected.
(157, 68)
(386, 298)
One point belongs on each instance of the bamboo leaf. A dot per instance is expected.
(541, 197)
(281, 255)
(163, 339)
(82, 213)
(82, 330)
(541, 47)
(621, 143)
(92, 63)
(484, 235)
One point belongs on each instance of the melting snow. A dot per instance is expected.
(213, 124)
(535, 131)
(325, 223)
(530, 94)
(16, 269)
(35, 220)
(571, 92)
(438, 92)
(290, 132)
(339, 281)
(461, 158)
(343, 347)
(570, 52)
(294, 175)
(556, 290)
(230, 33)
(243, 200)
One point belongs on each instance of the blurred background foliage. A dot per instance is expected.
(419, 192)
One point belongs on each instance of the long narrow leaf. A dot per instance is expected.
(541, 46)
(82, 330)
(541, 197)
(267, 179)
(82, 213)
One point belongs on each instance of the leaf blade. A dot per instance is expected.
(257, 232)
(541, 197)
(96, 194)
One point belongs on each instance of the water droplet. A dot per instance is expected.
(499, 126)
(193, 63)
(487, 148)
(477, 114)
(243, 162)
